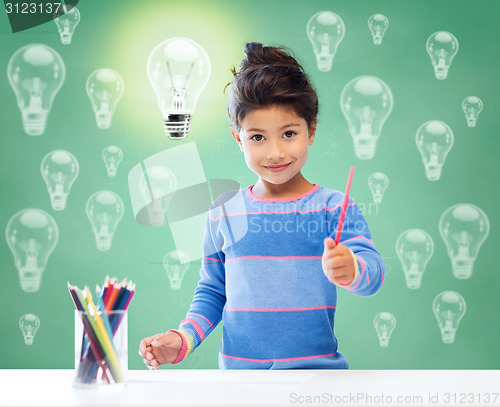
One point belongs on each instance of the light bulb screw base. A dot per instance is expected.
(463, 271)
(34, 123)
(471, 122)
(324, 63)
(433, 172)
(29, 283)
(441, 72)
(103, 120)
(364, 151)
(176, 125)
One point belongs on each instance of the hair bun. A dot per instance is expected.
(257, 54)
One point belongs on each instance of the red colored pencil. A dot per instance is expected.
(344, 206)
(111, 284)
(116, 289)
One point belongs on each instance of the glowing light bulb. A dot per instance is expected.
(384, 323)
(378, 24)
(112, 156)
(105, 88)
(325, 31)
(29, 324)
(378, 183)
(157, 186)
(472, 106)
(36, 73)
(366, 102)
(32, 235)
(449, 308)
(105, 211)
(178, 69)
(176, 262)
(66, 20)
(442, 47)
(59, 170)
(464, 228)
(414, 248)
(434, 140)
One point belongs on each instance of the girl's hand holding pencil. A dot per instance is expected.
(159, 349)
(338, 263)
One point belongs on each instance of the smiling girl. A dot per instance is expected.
(271, 268)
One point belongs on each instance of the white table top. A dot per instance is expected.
(25, 387)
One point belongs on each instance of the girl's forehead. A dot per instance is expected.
(270, 117)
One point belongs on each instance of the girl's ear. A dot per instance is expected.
(312, 131)
(236, 136)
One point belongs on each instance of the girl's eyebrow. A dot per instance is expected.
(290, 125)
(282, 128)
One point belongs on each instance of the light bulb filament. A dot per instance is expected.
(31, 248)
(36, 90)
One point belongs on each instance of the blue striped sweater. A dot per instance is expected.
(261, 275)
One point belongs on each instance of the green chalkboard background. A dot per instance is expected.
(120, 34)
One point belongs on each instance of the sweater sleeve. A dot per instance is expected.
(209, 299)
(356, 236)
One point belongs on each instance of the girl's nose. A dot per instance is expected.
(275, 151)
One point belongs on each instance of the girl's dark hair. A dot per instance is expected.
(270, 76)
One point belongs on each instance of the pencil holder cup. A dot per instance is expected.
(101, 348)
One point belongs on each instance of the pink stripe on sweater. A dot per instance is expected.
(324, 207)
(276, 258)
(357, 237)
(197, 328)
(205, 318)
(255, 198)
(278, 360)
(280, 309)
(210, 258)
(182, 352)
(363, 269)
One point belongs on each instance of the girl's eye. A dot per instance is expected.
(257, 137)
(289, 134)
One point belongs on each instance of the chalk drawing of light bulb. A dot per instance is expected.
(104, 88)
(178, 69)
(472, 106)
(32, 235)
(378, 183)
(449, 308)
(59, 170)
(157, 186)
(464, 228)
(434, 141)
(112, 156)
(366, 102)
(36, 73)
(325, 31)
(442, 47)
(104, 210)
(176, 262)
(378, 24)
(384, 323)
(414, 248)
(66, 20)
(29, 324)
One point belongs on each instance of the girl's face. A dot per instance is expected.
(275, 143)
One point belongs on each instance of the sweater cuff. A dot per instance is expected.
(356, 272)
(182, 353)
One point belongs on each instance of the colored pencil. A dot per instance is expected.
(100, 325)
(95, 346)
(344, 206)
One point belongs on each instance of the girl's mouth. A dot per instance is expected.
(277, 168)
